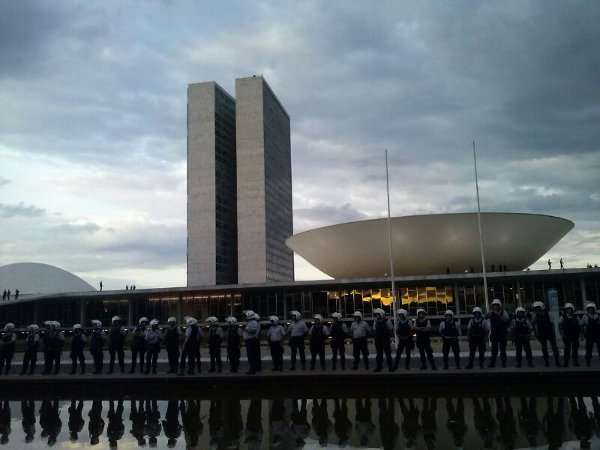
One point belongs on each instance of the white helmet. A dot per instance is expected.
(590, 305)
(33, 327)
(142, 320)
(250, 315)
(96, 323)
(336, 315)
(274, 319)
(421, 310)
(539, 305)
(153, 322)
(477, 309)
(256, 316)
(357, 314)
(231, 320)
(520, 309)
(9, 326)
(496, 302)
(318, 317)
(172, 320)
(191, 321)
(212, 319)
(449, 312)
(115, 319)
(379, 312)
(569, 306)
(296, 314)
(402, 312)
(77, 326)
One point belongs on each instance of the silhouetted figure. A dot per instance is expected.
(4, 294)
(363, 423)
(78, 341)
(116, 428)
(191, 352)
(76, 421)
(137, 416)
(215, 422)
(4, 422)
(50, 421)
(320, 421)
(100, 285)
(97, 343)
(233, 423)
(279, 427)
(528, 420)
(7, 348)
(580, 421)
(28, 419)
(153, 427)
(342, 425)
(171, 425)
(172, 337)
(233, 333)
(17, 294)
(554, 423)
(254, 428)
(456, 421)
(138, 346)
(388, 428)
(96, 422)
(507, 426)
(192, 424)
(54, 341)
(116, 345)
(428, 421)
(562, 264)
(300, 425)
(549, 264)
(483, 420)
(410, 424)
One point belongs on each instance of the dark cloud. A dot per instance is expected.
(8, 211)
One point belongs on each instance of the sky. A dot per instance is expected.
(93, 118)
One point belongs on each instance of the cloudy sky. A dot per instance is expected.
(93, 117)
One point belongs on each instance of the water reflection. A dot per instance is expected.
(390, 423)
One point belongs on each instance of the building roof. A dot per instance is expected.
(429, 244)
(37, 278)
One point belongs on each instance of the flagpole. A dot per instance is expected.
(481, 249)
(390, 254)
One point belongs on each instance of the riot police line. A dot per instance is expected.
(182, 344)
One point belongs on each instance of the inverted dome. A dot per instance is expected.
(37, 278)
(429, 244)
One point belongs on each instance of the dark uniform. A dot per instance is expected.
(383, 343)
(116, 344)
(190, 350)
(571, 329)
(477, 332)
(32, 343)
(7, 351)
(77, 345)
(215, 337)
(521, 333)
(423, 329)
(97, 342)
(138, 348)
(316, 338)
(172, 345)
(338, 332)
(53, 345)
(544, 331)
(592, 335)
(449, 332)
(233, 346)
(404, 332)
(499, 323)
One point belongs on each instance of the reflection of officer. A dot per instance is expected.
(76, 421)
(28, 422)
(96, 423)
(192, 424)
(428, 421)
(279, 428)
(364, 424)
(529, 420)
(570, 329)
(581, 423)
(410, 422)
(50, 420)
(544, 331)
(484, 421)
(254, 424)
(300, 425)
(153, 426)
(4, 421)
(171, 423)
(456, 421)
(342, 424)
(554, 423)
(404, 332)
(233, 423)
(320, 420)
(137, 416)
(116, 427)
(506, 422)
(388, 427)
(215, 422)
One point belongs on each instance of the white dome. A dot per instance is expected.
(37, 278)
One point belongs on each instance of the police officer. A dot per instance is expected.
(360, 331)
(338, 331)
(152, 338)
(215, 337)
(521, 330)
(7, 347)
(138, 345)
(275, 335)
(423, 330)
(545, 333)
(298, 330)
(78, 341)
(477, 332)
(404, 332)
(97, 341)
(383, 331)
(316, 337)
(570, 329)
(252, 340)
(116, 344)
(498, 323)
(190, 350)
(591, 331)
(32, 342)
(171, 339)
(449, 331)
(54, 341)
(233, 335)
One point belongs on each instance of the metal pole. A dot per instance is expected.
(390, 254)
(485, 289)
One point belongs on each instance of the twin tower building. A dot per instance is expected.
(239, 175)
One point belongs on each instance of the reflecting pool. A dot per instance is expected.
(390, 423)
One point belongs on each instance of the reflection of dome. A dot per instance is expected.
(36, 278)
(429, 244)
